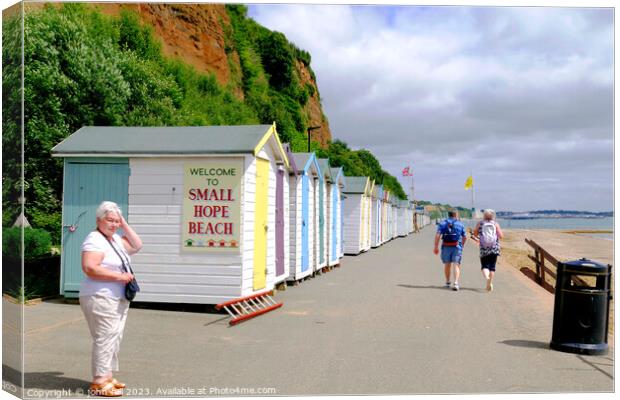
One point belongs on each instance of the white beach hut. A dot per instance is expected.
(375, 226)
(394, 204)
(367, 217)
(354, 207)
(385, 221)
(327, 209)
(404, 220)
(338, 185)
(411, 215)
(208, 202)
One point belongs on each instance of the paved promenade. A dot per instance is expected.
(380, 324)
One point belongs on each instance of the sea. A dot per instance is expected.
(599, 224)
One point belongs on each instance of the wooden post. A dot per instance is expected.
(537, 256)
(542, 268)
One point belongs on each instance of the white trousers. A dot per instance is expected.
(106, 318)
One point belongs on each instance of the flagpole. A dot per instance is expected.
(473, 188)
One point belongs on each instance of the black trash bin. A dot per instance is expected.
(581, 312)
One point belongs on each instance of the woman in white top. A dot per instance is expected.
(102, 293)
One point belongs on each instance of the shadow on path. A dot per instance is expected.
(526, 343)
(52, 380)
(532, 276)
(595, 362)
(595, 365)
(219, 321)
(443, 288)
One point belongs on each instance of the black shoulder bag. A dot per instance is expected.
(132, 287)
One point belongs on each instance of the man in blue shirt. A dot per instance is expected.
(451, 232)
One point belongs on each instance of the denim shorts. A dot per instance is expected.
(451, 254)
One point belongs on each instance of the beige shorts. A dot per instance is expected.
(106, 318)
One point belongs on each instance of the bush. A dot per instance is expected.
(37, 243)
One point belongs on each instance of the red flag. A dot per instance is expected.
(407, 172)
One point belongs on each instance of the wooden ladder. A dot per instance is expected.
(248, 307)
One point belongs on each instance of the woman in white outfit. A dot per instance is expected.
(102, 293)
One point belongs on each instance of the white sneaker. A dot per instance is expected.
(447, 285)
(456, 287)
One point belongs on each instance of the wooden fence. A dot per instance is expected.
(540, 256)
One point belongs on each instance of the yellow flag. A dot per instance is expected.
(469, 183)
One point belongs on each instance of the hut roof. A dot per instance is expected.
(377, 192)
(356, 184)
(338, 176)
(289, 155)
(324, 165)
(305, 161)
(168, 140)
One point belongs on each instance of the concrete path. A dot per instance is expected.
(382, 323)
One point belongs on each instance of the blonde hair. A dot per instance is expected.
(107, 207)
(489, 214)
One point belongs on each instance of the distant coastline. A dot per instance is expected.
(601, 227)
(553, 214)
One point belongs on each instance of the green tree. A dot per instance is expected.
(11, 119)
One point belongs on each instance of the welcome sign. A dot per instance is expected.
(211, 205)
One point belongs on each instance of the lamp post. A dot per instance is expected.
(308, 130)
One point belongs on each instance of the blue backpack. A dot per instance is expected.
(450, 235)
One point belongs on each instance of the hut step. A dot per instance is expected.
(248, 307)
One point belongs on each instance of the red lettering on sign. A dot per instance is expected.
(207, 194)
(210, 228)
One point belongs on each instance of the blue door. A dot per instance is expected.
(86, 184)
(304, 222)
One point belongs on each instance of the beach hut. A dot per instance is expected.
(384, 216)
(304, 204)
(208, 203)
(318, 261)
(356, 188)
(387, 209)
(367, 217)
(394, 204)
(390, 219)
(338, 185)
(328, 208)
(411, 211)
(342, 238)
(403, 224)
(375, 228)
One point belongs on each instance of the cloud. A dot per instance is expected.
(521, 96)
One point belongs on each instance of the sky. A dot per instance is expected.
(520, 97)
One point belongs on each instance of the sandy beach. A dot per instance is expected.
(563, 245)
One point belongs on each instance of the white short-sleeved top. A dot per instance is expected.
(95, 241)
